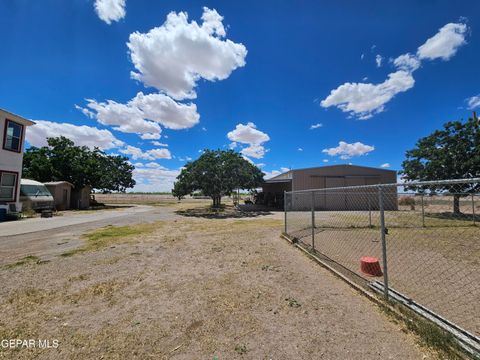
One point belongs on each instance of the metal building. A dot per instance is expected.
(333, 176)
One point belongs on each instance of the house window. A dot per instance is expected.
(8, 186)
(13, 136)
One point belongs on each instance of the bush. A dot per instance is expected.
(407, 201)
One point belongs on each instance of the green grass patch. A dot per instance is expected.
(110, 235)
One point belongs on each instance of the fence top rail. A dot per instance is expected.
(379, 186)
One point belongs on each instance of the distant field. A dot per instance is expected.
(144, 199)
(153, 199)
(134, 198)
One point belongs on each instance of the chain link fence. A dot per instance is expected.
(424, 235)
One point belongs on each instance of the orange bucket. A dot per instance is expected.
(370, 266)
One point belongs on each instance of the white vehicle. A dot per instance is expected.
(34, 195)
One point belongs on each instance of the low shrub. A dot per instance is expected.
(407, 201)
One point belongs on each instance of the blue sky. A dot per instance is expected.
(253, 74)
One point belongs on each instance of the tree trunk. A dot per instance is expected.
(216, 200)
(456, 204)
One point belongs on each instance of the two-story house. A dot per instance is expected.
(12, 142)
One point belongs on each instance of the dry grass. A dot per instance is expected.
(442, 343)
(27, 260)
(112, 235)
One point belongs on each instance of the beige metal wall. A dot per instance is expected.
(345, 176)
(339, 176)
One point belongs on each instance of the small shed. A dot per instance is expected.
(80, 198)
(61, 192)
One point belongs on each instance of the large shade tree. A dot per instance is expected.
(62, 160)
(217, 173)
(450, 153)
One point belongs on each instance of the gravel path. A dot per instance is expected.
(46, 238)
(25, 226)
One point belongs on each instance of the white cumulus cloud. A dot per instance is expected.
(143, 114)
(316, 126)
(385, 166)
(445, 43)
(124, 118)
(136, 153)
(407, 62)
(473, 102)
(379, 60)
(152, 177)
(81, 135)
(174, 56)
(166, 111)
(363, 100)
(250, 135)
(346, 150)
(255, 151)
(110, 10)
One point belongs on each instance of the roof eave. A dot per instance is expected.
(18, 118)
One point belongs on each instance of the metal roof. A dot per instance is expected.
(289, 173)
(278, 180)
(29, 182)
(55, 183)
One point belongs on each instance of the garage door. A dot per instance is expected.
(335, 199)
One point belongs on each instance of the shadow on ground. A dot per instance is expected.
(453, 216)
(109, 206)
(224, 212)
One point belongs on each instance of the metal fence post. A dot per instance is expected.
(313, 220)
(473, 208)
(285, 211)
(384, 242)
(423, 213)
(369, 211)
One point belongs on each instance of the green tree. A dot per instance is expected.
(450, 153)
(217, 173)
(62, 160)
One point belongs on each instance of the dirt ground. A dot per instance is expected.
(193, 287)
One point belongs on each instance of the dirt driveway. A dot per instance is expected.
(193, 288)
(46, 238)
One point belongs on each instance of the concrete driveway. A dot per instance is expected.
(46, 238)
